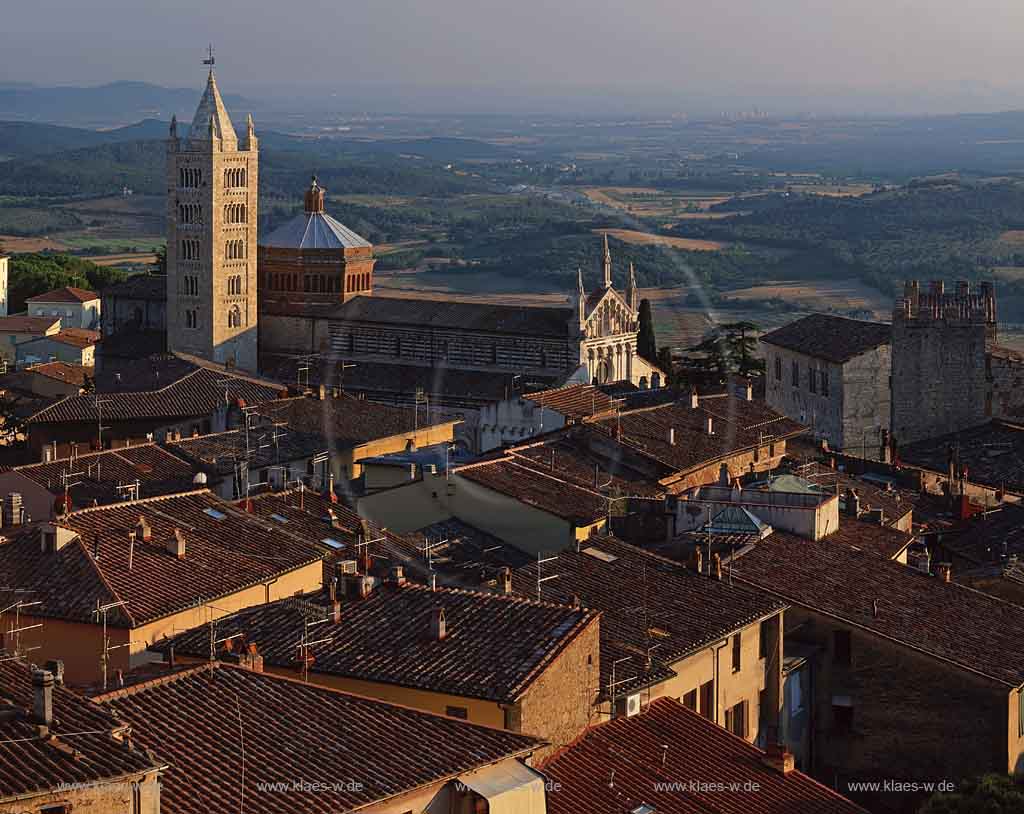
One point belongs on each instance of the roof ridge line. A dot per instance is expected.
(141, 501)
(106, 583)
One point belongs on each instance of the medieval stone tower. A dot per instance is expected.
(211, 239)
(940, 359)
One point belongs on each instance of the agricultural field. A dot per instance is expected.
(648, 239)
(647, 202)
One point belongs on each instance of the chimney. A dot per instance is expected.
(56, 667)
(697, 559)
(321, 393)
(335, 611)
(505, 580)
(251, 658)
(852, 503)
(776, 757)
(716, 566)
(142, 530)
(748, 392)
(672, 436)
(171, 663)
(131, 548)
(332, 589)
(176, 544)
(438, 628)
(945, 571)
(710, 425)
(723, 475)
(42, 697)
(397, 576)
(694, 399)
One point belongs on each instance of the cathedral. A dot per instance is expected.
(306, 289)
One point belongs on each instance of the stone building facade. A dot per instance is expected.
(948, 371)
(212, 199)
(832, 375)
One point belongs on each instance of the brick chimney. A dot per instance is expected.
(716, 566)
(42, 697)
(142, 530)
(56, 667)
(251, 658)
(438, 628)
(505, 581)
(697, 559)
(335, 611)
(944, 570)
(396, 576)
(176, 544)
(776, 757)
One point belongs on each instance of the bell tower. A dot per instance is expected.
(212, 180)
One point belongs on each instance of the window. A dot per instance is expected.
(841, 648)
(191, 318)
(778, 368)
(737, 646)
(690, 700)
(796, 374)
(234, 285)
(824, 382)
(707, 700)
(736, 719)
(235, 318)
(812, 379)
(456, 712)
(763, 636)
(842, 717)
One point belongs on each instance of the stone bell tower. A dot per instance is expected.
(211, 240)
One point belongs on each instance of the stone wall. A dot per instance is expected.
(139, 794)
(914, 718)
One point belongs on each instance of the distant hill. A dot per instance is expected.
(104, 105)
(27, 139)
(98, 170)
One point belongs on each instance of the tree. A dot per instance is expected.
(646, 347)
(989, 794)
(741, 345)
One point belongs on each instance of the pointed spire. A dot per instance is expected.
(632, 295)
(174, 126)
(581, 301)
(211, 120)
(250, 133)
(607, 263)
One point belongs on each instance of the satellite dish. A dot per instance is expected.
(199, 479)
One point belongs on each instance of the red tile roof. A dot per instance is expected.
(891, 600)
(737, 425)
(66, 294)
(197, 393)
(222, 556)
(385, 638)
(575, 401)
(829, 337)
(76, 337)
(63, 372)
(79, 748)
(363, 751)
(21, 324)
(617, 766)
(684, 611)
(542, 490)
(96, 476)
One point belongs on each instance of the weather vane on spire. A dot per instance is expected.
(210, 60)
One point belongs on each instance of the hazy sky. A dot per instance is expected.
(676, 47)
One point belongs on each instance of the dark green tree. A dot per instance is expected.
(646, 347)
(741, 342)
(989, 794)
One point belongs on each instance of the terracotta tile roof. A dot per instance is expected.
(574, 401)
(669, 744)
(31, 764)
(892, 500)
(386, 638)
(542, 490)
(463, 316)
(685, 611)
(345, 422)
(295, 731)
(22, 324)
(223, 555)
(76, 337)
(991, 453)
(96, 476)
(990, 536)
(64, 372)
(737, 425)
(197, 393)
(913, 609)
(220, 451)
(66, 294)
(882, 541)
(575, 455)
(825, 336)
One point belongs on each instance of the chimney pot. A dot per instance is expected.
(42, 697)
(438, 627)
(176, 544)
(397, 575)
(697, 559)
(672, 436)
(56, 667)
(694, 399)
(335, 611)
(142, 530)
(710, 425)
(716, 566)
(945, 571)
(776, 757)
(506, 580)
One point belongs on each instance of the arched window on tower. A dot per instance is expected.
(234, 317)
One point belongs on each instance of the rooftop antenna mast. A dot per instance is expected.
(542, 560)
(98, 403)
(128, 491)
(101, 612)
(421, 398)
(305, 644)
(428, 549)
(342, 367)
(321, 464)
(14, 631)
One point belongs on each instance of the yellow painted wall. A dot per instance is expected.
(111, 797)
(347, 463)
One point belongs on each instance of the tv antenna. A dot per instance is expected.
(304, 644)
(541, 560)
(15, 630)
(98, 404)
(101, 612)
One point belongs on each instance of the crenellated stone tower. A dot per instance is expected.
(212, 182)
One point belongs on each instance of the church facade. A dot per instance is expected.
(212, 204)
